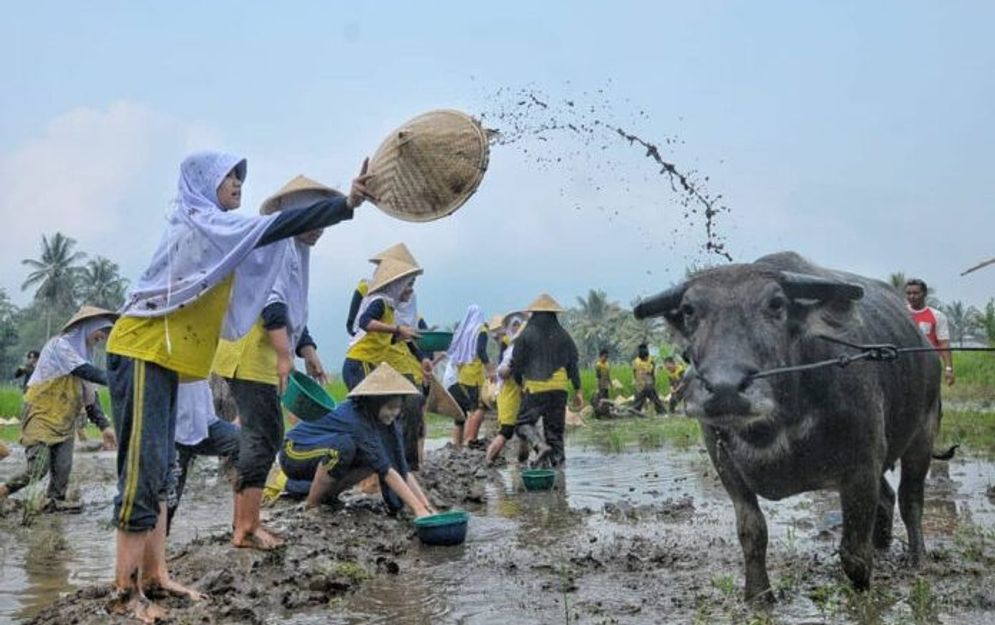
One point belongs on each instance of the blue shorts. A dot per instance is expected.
(143, 402)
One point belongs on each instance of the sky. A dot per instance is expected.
(858, 134)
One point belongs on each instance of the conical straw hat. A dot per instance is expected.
(544, 303)
(390, 270)
(441, 402)
(397, 252)
(89, 312)
(383, 380)
(430, 166)
(300, 184)
(496, 323)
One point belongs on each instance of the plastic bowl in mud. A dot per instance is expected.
(305, 398)
(445, 528)
(538, 479)
(435, 341)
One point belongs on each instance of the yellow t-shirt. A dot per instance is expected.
(404, 362)
(675, 375)
(250, 358)
(603, 372)
(509, 401)
(193, 335)
(472, 373)
(644, 372)
(375, 347)
(556, 382)
(50, 410)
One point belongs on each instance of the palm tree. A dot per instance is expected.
(897, 281)
(100, 284)
(55, 274)
(963, 321)
(591, 324)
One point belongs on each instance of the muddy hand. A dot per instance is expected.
(359, 193)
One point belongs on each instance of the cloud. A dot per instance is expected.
(97, 175)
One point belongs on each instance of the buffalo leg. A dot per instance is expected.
(859, 499)
(915, 466)
(885, 515)
(750, 523)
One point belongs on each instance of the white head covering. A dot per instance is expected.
(194, 412)
(204, 244)
(291, 285)
(511, 332)
(406, 313)
(67, 351)
(463, 349)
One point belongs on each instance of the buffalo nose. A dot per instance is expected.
(725, 386)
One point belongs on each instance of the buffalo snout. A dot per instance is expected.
(725, 389)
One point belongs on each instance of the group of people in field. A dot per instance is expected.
(225, 297)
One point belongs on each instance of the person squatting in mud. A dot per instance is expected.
(644, 378)
(466, 372)
(545, 365)
(362, 436)
(209, 278)
(56, 393)
(509, 397)
(256, 366)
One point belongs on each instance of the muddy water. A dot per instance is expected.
(638, 537)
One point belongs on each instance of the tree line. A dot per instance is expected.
(61, 279)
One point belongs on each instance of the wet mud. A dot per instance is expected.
(588, 133)
(633, 537)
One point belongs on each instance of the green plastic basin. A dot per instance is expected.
(538, 479)
(305, 398)
(435, 341)
(445, 528)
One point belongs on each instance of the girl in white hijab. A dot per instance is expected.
(465, 375)
(209, 277)
(55, 395)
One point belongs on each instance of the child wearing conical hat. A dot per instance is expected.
(377, 327)
(209, 278)
(545, 364)
(398, 251)
(361, 437)
(257, 366)
(56, 393)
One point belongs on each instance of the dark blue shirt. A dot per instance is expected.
(378, 446)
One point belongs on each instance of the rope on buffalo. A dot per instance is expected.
(881, 352)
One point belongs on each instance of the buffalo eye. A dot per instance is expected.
(776, 304)
(688, 311)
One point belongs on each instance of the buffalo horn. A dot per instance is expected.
(805, 286)
(660, 304)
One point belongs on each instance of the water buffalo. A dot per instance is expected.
(827, 428)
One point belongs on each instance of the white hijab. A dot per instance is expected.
(203, 244)
(65, 352)
(291, 285)
(463, 349)
(194, 412)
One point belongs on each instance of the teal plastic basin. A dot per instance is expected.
(305, 398)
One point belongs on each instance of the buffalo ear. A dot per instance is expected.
(806, 286)
(666, 304)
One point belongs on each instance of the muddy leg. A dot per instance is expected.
(128, 596)
(859, 499)
(915, 466)
(473, 426)
(494, 448)
(883, 520)
(155, 574)
(320, 485)
(751, 526)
